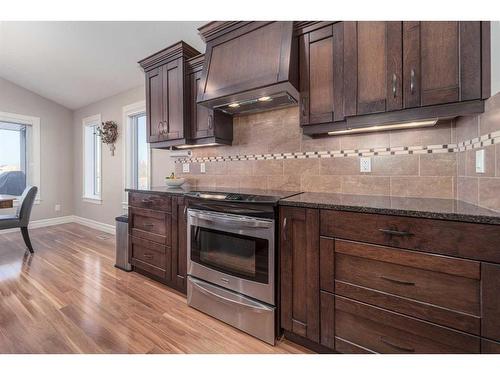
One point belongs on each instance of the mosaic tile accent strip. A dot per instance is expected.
(479, 142)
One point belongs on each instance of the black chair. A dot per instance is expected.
(22, 218)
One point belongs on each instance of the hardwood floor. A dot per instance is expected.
(69, 298)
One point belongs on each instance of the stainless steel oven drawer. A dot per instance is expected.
(250, 316)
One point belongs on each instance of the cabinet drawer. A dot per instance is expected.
(431, 287)
(150, 201)
(465, 240)
(151, 225)
(149, 256)
(382, 331)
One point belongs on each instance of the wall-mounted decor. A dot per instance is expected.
(109, 133)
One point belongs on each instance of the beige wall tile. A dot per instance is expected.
(497, 158)
(329, 143)
(290, 183)
(239, 168)
(425, 187)
(252, 182)
(309, 166)
(226, 182)
(467, 189)
(339, 166)
(489, 121)
(395, 165)
(322, 184)
(467, 127)
(216, 167)
(369, 185)
(489, 162)
(367, 140)
(267, 167)
(461, 162)
(438, 164)
(489, 193)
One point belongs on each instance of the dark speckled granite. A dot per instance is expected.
(444, 209)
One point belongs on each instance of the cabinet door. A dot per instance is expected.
(179, 244)
(173, 100)
(202, 125)
(300, 297)
(154, 103)
(375, 50)
(490, 301)
(321, 83)
(442, 62)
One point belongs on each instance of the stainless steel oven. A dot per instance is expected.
(235, 252)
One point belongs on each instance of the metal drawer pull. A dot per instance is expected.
(402, 282)
(401, 348)
(284, 229)
(412, 80)
(394, 78)
(148, 225)
(148, 256)
(393, 232)
(145, 200)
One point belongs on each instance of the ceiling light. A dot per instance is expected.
(265, 99)
(374, 128)
(234, 105)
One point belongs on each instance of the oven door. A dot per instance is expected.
(233, 251)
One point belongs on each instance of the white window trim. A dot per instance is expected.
(86, 122)
(128, 111)
(34, 122)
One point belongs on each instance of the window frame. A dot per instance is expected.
(96, 196)
(129, 143)
(34, 157)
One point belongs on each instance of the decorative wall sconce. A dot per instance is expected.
(109, 133)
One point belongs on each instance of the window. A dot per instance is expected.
(140, 152)
(19, 153)
(137, 161)
(91, 160)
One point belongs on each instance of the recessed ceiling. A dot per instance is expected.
(78, 63)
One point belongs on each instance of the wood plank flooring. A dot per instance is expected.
(69, 298)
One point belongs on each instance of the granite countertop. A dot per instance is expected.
(431, 208)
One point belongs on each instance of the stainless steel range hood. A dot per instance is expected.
(249, 66)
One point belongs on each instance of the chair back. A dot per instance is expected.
(26, 204)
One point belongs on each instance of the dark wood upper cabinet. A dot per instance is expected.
(442, 62)
(167, 95)
(300, 298)
(357, 74)
(321, 67)
(207, 125)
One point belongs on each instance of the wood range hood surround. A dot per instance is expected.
(249, 66)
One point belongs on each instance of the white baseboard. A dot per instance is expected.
(108, 228)
(67, 219)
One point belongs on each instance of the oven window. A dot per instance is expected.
(234, 254)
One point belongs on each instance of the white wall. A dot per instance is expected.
(56, 175)
(495, 57)
(112, 166)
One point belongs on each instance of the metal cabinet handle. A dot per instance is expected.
(160, 130)
(412, 81)
(284, 229)
(148, 256)
(210, 121)
(393, 232)
(147, 201)
(148, 225)
(394, 79)
(185, 211)
(396, 281)
(398, 347)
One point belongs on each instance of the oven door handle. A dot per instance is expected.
(253, 305)
(230, 222)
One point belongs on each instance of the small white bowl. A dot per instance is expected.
(172, 183)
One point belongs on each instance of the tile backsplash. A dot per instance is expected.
(270, 152)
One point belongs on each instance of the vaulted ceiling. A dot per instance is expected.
(77, 63)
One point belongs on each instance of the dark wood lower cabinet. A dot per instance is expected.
(300, 301)
(179, 243)
(389, 288)
(158, 237)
